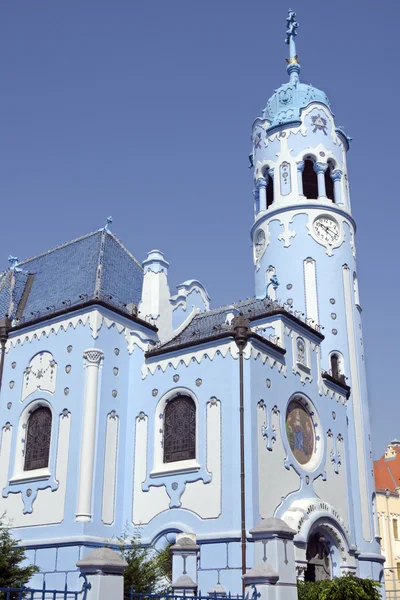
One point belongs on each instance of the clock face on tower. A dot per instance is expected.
(327, 230)
(259, 243)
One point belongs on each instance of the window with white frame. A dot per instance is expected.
(38, 437)
(180, 429)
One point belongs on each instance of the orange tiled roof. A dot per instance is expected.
(387, 472)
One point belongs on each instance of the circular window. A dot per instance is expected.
(300, 432)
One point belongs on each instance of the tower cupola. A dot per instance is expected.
(287, 102)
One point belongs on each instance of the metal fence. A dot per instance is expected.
(170, 595)
(27, 593)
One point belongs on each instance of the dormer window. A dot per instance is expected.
(335, 370)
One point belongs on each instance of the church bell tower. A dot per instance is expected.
(304, 234)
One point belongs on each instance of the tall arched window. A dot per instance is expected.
(329, 183)
(335, 366)
(180, 429)
(270, 189)
(37, 443)
(310, 180)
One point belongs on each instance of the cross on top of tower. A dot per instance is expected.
(291, 32)
(291, 26)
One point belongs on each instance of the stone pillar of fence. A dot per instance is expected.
(104, 570)
(274, 573)
(185, 556)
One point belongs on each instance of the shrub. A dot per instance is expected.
(12, 573)
(348, 587)
(148, 570)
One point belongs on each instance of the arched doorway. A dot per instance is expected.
(318, 558)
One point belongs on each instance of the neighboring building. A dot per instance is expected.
(120, 402)
(387, 483)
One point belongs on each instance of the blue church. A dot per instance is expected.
(125, 406)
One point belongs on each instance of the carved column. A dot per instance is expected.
(91, 362)
(256, 196)
(300, 169)
(262, 189)
(336, 177)
(320, 169)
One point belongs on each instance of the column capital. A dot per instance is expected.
(336, 175)
(300, 165)
(261, 183)
(92, 356)
(320, 167)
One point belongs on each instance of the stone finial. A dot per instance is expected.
(102, 560)
(155, 262)
(184, 543)
(272, 527)
(261, 573)
(184, 582)
(109, 220)
(218, 591)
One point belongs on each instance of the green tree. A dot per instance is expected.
(348, 587)
(148, 570)
(12, 573)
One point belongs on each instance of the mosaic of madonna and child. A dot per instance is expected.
(300, 432)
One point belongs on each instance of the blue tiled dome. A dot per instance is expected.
(286, 103)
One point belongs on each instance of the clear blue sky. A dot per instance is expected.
(143, 110)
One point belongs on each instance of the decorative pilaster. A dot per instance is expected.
(300, 169)
(320, 169)
(91, 361)
(261, 184)
(336, 176)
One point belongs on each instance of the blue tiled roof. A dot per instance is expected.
(213, 322)
(5, 292)
(95, 266)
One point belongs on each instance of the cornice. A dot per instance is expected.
(300, 207)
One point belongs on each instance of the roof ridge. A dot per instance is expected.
(233, 305)
(99, 265)
(124, 248)
(78, 239)
(392, 476)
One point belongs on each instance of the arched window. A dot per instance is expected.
(329, 189)
(37, 443)
(335, 366)
(310, 181)
(180, 429)
(270, 189)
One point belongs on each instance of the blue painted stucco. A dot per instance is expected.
(84, 301)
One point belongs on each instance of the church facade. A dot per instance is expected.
(126, 407)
